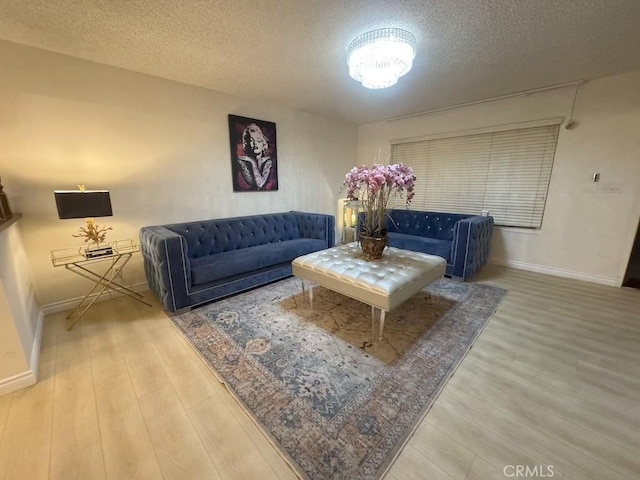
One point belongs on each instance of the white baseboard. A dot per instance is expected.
(558, 272)
(30, 377)
(37, 342)
(22, 380)
(70, 304)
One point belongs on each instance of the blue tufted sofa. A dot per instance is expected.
(187, 264)
(462, 240)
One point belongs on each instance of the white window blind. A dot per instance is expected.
(505, 172)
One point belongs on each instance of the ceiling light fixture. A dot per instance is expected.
(379, 57)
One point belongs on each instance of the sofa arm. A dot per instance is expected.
(471, 245)
(166, 266)
(317, 226)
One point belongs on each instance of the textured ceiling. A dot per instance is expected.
(294, 52)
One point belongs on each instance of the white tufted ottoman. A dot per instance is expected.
(383, 284)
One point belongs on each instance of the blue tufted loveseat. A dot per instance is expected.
(187, 264)
(463, 241)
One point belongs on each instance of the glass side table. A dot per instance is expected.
(77, 261)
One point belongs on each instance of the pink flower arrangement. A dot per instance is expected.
(375, 186)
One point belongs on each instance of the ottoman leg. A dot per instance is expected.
(373, 324)
(310, 288)
(382, 314)
(435, 297)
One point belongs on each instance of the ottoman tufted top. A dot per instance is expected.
(383, 283)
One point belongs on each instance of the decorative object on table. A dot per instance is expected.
(372, 247)
(254, 154)
(83, 203)
(375, 186)
(380, 57)
(335, 408)
(5, 209)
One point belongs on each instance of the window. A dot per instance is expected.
(506, 172)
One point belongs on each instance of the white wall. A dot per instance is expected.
(586, 233)
(160, 147)
(20, 315)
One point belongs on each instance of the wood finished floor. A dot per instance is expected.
(551, 384)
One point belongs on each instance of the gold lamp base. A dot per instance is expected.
(95, 234)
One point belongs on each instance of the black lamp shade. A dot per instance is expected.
(87, 204)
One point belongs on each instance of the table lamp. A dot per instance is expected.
(87, 204)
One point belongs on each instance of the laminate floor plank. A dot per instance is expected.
(482, 470)
(72, 355)
(143, 363)
(107, 359)
(573, 343)
(615, 427)
(413, 465)
(277, 463)
(492, 447)
(127, 448)
(25, 451)
(5, 405)
(180, 452)
(566, 457)
(181, 366)
(557, 377)
(442, 450)
(554, 427)
(390, 476)
(231, 449)
(76, 444)
(550, 383)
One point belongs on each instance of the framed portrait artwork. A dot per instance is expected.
(254, 154)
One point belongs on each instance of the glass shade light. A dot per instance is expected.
(380, 57)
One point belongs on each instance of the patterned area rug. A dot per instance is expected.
(336, 406)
